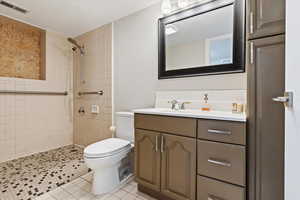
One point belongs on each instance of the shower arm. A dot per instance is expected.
(75, 43)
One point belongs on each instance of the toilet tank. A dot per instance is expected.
(125, 126)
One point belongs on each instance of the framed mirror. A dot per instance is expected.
(203, 40)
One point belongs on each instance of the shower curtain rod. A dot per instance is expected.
(33, 92)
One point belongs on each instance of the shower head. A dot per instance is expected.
(76, 46)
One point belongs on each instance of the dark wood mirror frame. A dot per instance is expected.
(238, 65)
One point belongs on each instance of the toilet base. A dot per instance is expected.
(112, 183)
(109, 172)
(105, 180)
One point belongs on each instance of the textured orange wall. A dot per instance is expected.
(22, 50)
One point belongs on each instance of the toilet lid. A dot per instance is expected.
(106, 148)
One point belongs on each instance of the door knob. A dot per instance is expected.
(287, 99)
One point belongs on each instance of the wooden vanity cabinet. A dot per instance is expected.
(221, 161)
(166, 164)
(165, 156)
(147, 159)
(166, 159)
(266, 18)
(178, 167)
(212, 189)
(222, 131)
(173, 125)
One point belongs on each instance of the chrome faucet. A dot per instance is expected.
(182, 105)
(174, 104)
(177, 105)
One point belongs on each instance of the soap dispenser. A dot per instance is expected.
(206, 106)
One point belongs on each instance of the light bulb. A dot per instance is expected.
(183, 3)
(166, 7)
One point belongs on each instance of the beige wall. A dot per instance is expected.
(30, 123)
(93, 72)
(136, 62)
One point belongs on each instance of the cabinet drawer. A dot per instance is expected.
(222, 161)
(175, 125)
(216, 190)
(222, 131)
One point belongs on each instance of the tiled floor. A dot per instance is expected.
(58, 174)
(80, 189)
(32, 176)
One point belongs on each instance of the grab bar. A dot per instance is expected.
(33, 92)
(91, 93)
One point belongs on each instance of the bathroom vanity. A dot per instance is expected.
(188, 155)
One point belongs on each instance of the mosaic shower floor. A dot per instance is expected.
(32, 176)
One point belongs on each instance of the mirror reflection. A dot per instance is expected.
(200, 41)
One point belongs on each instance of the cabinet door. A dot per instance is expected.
(178, 179)
(266, 74)
(266, 17)
(147, 159)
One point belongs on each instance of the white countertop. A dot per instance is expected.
(216, 115)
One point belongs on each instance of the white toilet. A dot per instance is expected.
(105, 157)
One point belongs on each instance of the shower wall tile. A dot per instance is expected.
(21, 51)
(93, 73)
(32, 123)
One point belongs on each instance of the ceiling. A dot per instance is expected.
(73, 17)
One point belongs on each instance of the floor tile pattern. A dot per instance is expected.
(32, 176)
(80, 189)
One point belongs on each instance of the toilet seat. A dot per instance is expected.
(106, 148)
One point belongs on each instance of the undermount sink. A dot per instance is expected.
(193, 113)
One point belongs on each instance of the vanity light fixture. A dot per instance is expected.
(169, 7)
(171, 29)
(166, 7)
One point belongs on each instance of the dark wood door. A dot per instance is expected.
(178, 179)
(266, 72)
(147, 159)
(266, 17)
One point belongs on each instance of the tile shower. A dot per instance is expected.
(28, 126)
(37, 151)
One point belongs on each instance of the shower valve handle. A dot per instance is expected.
(81, 110)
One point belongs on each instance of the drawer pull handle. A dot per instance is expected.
(213, 197)
(162, 144)
(156, 144)
(218, 162)
(212, 131)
